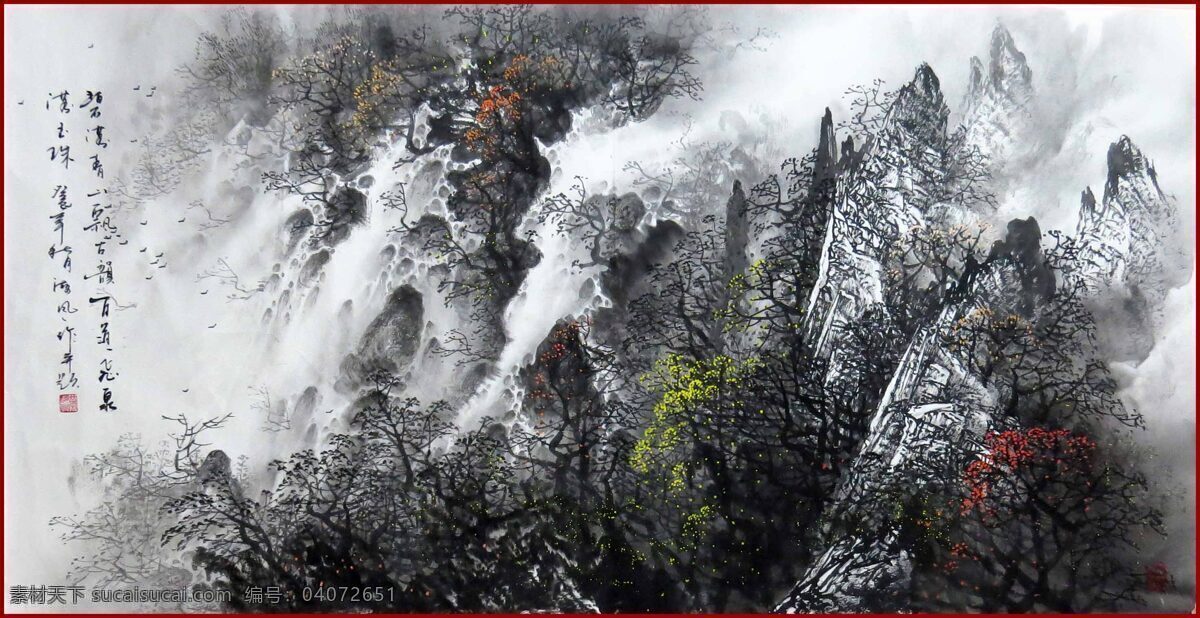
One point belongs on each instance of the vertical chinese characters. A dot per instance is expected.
(99, 229)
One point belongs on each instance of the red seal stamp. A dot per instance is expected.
(68, 403)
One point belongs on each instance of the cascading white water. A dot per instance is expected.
(293, 335)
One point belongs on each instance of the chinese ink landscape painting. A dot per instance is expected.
(599, 309)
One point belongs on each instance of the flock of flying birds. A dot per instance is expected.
(158, 261)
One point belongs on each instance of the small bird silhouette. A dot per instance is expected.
(181, 220)
(145, 222)
(142, 250)
(91, 46)
(186, 390)
(150, 277)
(137, 87)
(204, 292)
(213, 325)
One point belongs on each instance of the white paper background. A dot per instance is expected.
(1121, 72)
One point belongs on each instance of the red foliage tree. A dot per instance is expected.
(1044, 519)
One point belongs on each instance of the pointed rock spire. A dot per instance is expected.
(1005, 84)
(1008, 72)
(977, 81)
(920, 108)
(737, 232)
(1125, 161)
(1133, 237)
(827, 156)
(926, 82)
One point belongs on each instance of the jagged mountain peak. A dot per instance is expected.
(978, 82)
(996, 109)
(1132, 235)
(1126, 161)
(1131, 244)
(919, 106)
(926, 83)
(1008, 72)
(1130, 190)
(1004, 85)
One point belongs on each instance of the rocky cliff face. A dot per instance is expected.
(937, 405)
(1131, 252)
(883, 194)
(1131, 237)
(996, 109)
(880, 198)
